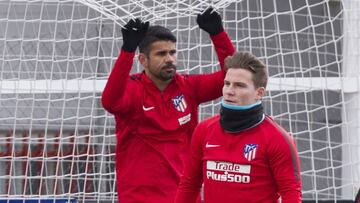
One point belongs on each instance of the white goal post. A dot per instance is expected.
(56, 140)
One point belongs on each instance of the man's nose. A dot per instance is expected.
(170, 58)
(229, 90)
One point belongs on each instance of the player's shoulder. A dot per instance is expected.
(186, 76)
(136, 76)
(273, 127)
(210, 122)
(183, 80)
(276, 137)
(181, 77)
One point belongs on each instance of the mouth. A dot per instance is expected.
(170, 68)
(227, 101)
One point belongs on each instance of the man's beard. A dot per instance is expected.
(167, 72)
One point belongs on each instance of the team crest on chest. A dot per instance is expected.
(179, 103)
(250, 151)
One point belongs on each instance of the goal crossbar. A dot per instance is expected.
(344, 84)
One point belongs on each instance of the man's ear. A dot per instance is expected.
(260, 93)
(143, 60)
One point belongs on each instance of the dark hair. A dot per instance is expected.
(155, 33)
(248, 61)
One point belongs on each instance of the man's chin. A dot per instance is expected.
(168, 75)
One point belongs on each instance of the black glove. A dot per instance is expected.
(210, 21)
(133, 33)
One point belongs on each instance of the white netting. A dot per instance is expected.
(152, 10)
(57, 141)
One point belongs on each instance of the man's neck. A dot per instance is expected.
(160, 84)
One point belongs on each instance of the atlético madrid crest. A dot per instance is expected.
(250, 151)
(179, 103)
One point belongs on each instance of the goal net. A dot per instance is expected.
(57, 141)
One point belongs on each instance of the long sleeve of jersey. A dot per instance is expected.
(117, 83)
(223, 47)
(207, 87)
(191, 181)
(285, 166)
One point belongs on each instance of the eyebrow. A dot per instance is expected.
(241, 83)
(165, 51)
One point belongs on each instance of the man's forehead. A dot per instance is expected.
(238, 75)
(165, 45)
(238, 72)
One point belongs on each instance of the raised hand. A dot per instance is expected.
(133, 33)
(210, 21)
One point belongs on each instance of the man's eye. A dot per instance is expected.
(240, 85)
